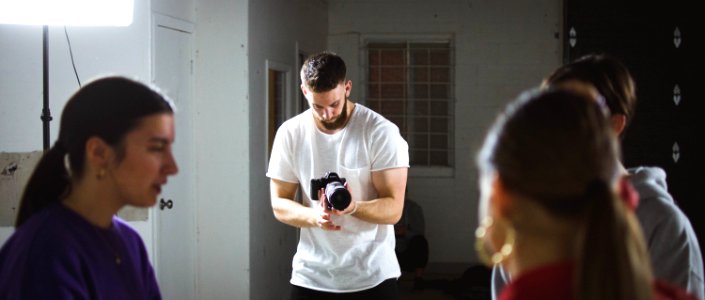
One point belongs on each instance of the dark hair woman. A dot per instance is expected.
(113, 149)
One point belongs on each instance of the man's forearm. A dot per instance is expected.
(390, 185)
(293, 213)
(380, 211)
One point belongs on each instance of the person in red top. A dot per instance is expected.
(549, 180)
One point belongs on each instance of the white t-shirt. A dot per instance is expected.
(361, 254)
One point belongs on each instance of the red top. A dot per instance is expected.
(547, 282)
(555, 281)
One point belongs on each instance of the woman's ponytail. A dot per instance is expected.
(611, 243)
(48, 182)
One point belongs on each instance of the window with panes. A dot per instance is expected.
(411, 84)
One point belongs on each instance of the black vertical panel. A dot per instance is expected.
(642, 36)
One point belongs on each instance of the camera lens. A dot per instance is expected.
(338, 196)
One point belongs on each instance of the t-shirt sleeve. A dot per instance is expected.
(389, 149)
(280, 161)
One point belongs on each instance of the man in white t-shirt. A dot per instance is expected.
(349, 251)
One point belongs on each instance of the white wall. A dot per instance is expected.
(276, 27)
(221, 134)
(501, 48)
(181, 9)
(97, 51)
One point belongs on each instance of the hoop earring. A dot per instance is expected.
(499, 256)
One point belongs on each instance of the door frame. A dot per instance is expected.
(288, 105)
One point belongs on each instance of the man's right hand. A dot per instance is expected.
(324, 222)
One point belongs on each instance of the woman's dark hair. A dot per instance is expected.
(608, 75)
(323, 71)
(557, 149)
(107, 108)
(550, 137)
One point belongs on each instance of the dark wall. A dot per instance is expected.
(642, 36)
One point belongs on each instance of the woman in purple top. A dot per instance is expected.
(113, 149)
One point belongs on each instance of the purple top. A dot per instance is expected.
(57, 254)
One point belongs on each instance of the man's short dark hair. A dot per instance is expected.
(323, 71)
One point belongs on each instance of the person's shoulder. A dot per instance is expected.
(124, 229)
(650, 184)
(303, 118)
(123, 225)
(369, 115)
(655, 202)
(649, 180)
(46, 226)
(131, 237)
(34, 248)
(46, 236)
(666, 227)
(295, 125)
(373, 122)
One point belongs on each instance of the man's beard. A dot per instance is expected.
(338, 122)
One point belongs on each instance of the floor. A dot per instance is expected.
(408, 292)
(443, 285)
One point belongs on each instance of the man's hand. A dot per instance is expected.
(295, 214)
(324, 220)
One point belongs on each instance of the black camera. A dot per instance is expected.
(338, 196)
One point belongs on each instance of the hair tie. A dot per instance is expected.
(628, 193)
(602, 104)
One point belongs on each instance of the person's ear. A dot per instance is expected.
(98, 152)
(304, 90)
(348, 88)
(501, 200)
(307, 95)
(619, 122)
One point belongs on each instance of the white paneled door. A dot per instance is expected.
(175, 226)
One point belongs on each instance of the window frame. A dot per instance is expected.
(445, 38)
(288, 107)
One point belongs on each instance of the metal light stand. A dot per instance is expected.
(46, 113)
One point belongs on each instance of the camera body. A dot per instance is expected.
(334, 188)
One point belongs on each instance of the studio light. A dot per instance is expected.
(67, 12)
(63, 13)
